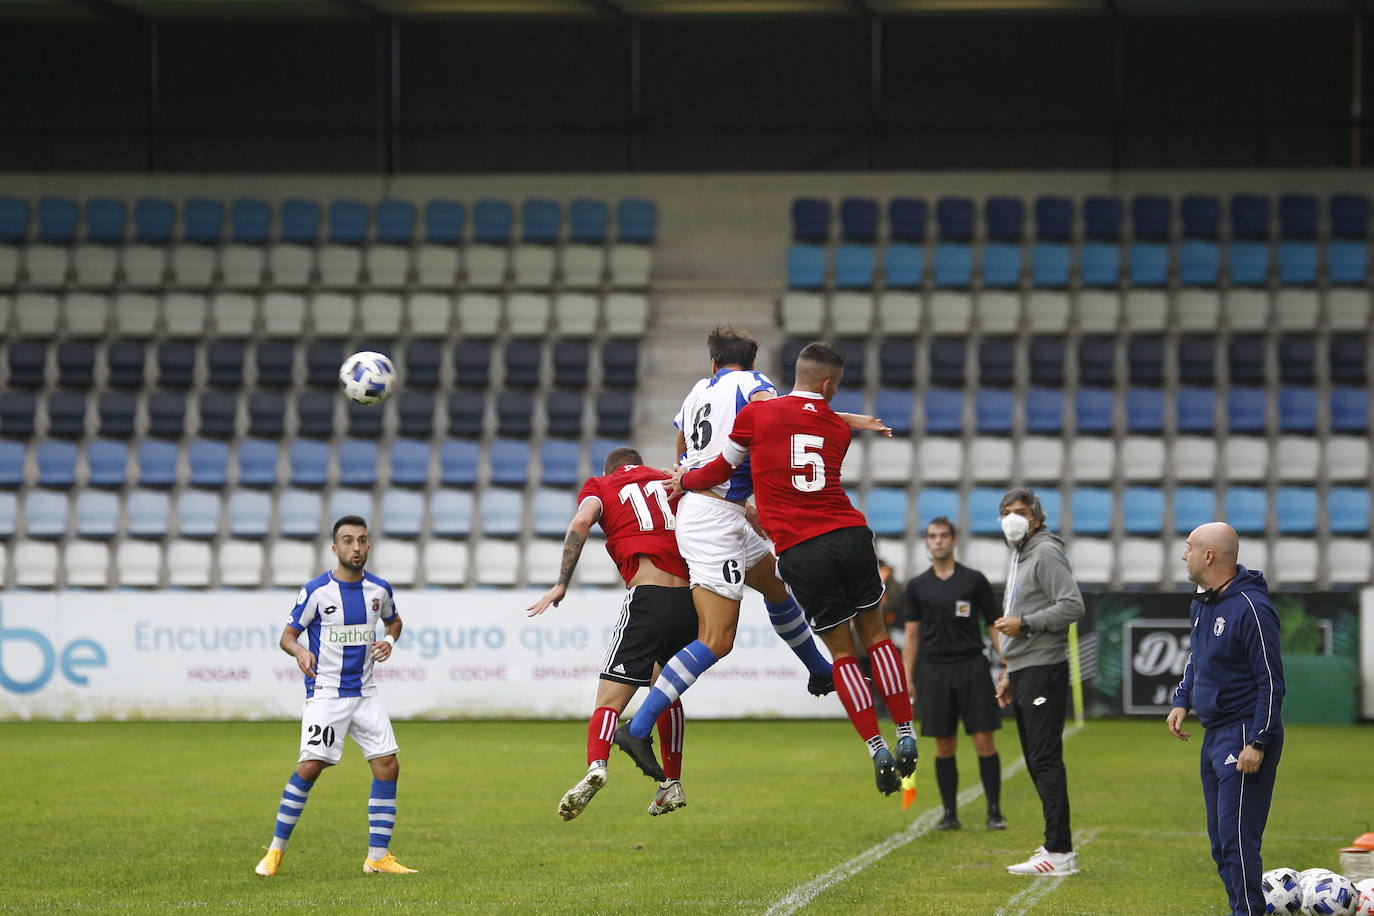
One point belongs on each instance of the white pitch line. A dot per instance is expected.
(803, 894)
(1041, 887)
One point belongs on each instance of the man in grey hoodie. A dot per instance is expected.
(1040, 602)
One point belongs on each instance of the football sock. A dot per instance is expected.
(990, 769)
(947, 778)
(600, 728)
(905, 730)
(680, 673)
(381, 817)
(875, 744)
(891, 680)
(856, 698)
(670, 729)
(293, 799)
(790, 624)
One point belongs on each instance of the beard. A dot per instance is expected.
(351, 566)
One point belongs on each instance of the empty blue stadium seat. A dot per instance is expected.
(859, 219)
(1249, 217)
(1097, 361)
(157, 463)
(558, 460)
(309, 463)
(894, 406)
(66, 415)
(357, 463)
(614, 410)
(1193, 506)
(952, 266)
(266, 415)
(1102, 219)
(316, 414)
(1145, 410)
(854, 266)
(257, 461)
(805, 267)
(1246, 358)
(571, 363)
(847, 400)
(17, 411)
(906, 219)
(1054, 219)
(451, 513)
(550, 511)
(897, 362)
(598, 450)
(403, 513)
(322, 361)
(996, 361)
(993, 410)
(472, 363)
(147, 512)
(1150, 217)
(587, 221)
(28, 362)
(565, 414)
(1298, 410)
(1145, 360)
(855, 354)
(1347, 263)
(523, 358)
(1044, 411)
(106, 459)
(1005, 218)
(105, 218)
(300, 221)
(509, 460)
(45, 515)
(515, 414)
(56, 463)
(944, 411)
(224, 359)
(1349, 409)
(886, 511)
(811, 219)
(1297, 263)
(410, 462)
(1142, 510)
(1295, 509)
(1245, 409)
(1349, 215)
(1001, 266)
(502, 513)
(1298, 216)
(416, 412)
(540, 220)
(636, 221)
(57, 217)
(1149, 264)
(299, 510)
(1347, 359)
(14, 220)
(209, 463)
(790, 349)
(1051, 265)
(1199, 263)
(984, 511)
(1247, 263)
(198, 514)
(1100, 265)
(1201, 215)
(125, 359)
(1348, 510)
(1298, 360)
(347, 222)
(1094, 407)
(365, 422)
(904, 265)
(275, 363)
(250, 221)
(202, 221)
(1046, 356)
(954, 219)
(76, 364)
(444, 221)
(934, 502)
(1092, 510)
(395, 222)
(1196, 409)
(97, 514)
(1245, 509)
(458, 460)
(620, 363)
(947, 361)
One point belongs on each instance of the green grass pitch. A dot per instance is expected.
(156, 817)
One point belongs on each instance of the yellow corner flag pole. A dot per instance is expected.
(908, 790)
(1076, 675)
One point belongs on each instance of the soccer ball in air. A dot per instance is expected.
(1364, 897)
(1281, 892)
(368, 377)
(1330, 895)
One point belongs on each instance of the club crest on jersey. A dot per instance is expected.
(1219, 626)
(810, 407)
(376, 605)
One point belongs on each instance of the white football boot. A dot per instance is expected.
(1047, 863)
(669, 797)
(576, 799)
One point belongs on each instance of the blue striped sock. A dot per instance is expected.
(293, 799)
(680, 673)
(790, 624)
(381, 817)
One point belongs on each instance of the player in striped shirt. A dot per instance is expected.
(337, 613)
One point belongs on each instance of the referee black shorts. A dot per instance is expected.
(834, 576)
(655, 623)
(950, 691)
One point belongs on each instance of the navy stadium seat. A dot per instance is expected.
(1349, 215)
(636, 220)
(515, 414)
(906, 219)
(250, 221)
(1201, 215)
(854, 266)
(300, 221)
(1250, 217)
(125, 359)
(395, 222)
(106, 459)
(1044, 411)
(1149, 264)
(357, 463)
(509, 460)
(1097, 361)
(1051, 265)
(1193, 506)
(1298, 360)
(257, 461)
(347, 222)
(14, 220)
(1046, 355)
(266, 415)
(1142, 510)
(947, 361)
(1245, 509)
(1348, 510)
(1001, 266)
(1102, 219)
(224, 359)
(491, 221)
(1100, 265)
(1196, 410)
(410, 462)
(1145, 411)
(176, 364)
(587, 221)
(273, 361)
(458, 462)
(993, 412)
(811, 219)
(897, 362)
(416, 412)
(893, 406)
(620, 363)
(944, 411)
(365, 421)
(208, 460)
(322, 361)
(855, 353)
(1005, 218)
(1092, 510)
(954, 218)
(422, 364)
(790, 350)
(1245, 357)
(540, 220)
(202, 221)
(1145, 360)
(996, 362)
(472, 363)
(1054, 219)
(56, 462)
(859, 219)
(1150, 217)
(105, 219)
(57, 219)
(1245, 410)
(66, 415)
(116, 412)
(465, 410)
(1297, 216)
(315, 413)
(157, 464)
(1297, 263)
(444, 221)
(952, 265)
(75, 364)
(1199, 263)
(806, 267)
(934, 502)
(1349, 409)
(28, 362)
(1197, 360)
(571, 361)
(614, 410)
(1347, 263)
(1094, 407)
(558, 459)
(17, 411)
(1348, 356)
(166, 415)
(1298, 410)
(523, 359)
(1295, 510)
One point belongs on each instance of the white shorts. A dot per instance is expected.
(327, 719)
(718, 543)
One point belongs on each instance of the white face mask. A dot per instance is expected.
(1015, 527)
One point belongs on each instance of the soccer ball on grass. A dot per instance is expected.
(1330, 895)
(1281, 892)
(368, 377)
(1364, 897)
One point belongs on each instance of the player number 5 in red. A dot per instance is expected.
(806, 457)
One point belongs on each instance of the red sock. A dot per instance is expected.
(671, 723)
(599, 732)
(853, 692)
(890, 677)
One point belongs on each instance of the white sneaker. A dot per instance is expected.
(669, 797)
(575, 800)
(1047, 863)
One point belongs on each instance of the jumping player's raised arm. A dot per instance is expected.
(588, 511)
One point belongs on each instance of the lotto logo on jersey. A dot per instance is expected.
(349, 636)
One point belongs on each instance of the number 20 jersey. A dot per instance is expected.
(638, 518)
(797, 446)
(707, 416)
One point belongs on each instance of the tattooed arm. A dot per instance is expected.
(578, 529)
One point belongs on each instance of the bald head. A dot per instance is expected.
(1210, 553)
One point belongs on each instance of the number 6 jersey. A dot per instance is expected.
(638, 518)
(707, 416)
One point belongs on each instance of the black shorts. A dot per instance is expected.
(950, 691)
(834, 576)
(655, 623)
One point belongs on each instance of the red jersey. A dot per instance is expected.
(639, 519)
(796, 447)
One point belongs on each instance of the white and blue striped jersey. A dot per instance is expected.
(340, 620)
(708, 415)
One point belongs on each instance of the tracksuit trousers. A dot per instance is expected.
(1237, 807)
(1039, 697)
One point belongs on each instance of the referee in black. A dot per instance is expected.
(948, 609)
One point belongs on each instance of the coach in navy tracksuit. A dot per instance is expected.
(1234, 679)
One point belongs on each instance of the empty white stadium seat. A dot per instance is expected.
(950, 312)
(95, 266)
(1147, 311)
(1347, 458)
(497, 562)
(987, 555)
(1047, 312)
(485, 266)
(890, 460)
(479, 314)
(183, 314)
(398, 559)
(35, 314)
(527, 314)
(446, 562)
(942, 460)
(1142, 458)
(576, 314)
(990, 459)
(9, 266)
(85, 314)
(1295, 562)
(851, 314)
(436, 267)
(331, 314)
(630, 266)
(188, 564)
(1297, 458)
(627, 314)
(1297, 309)
(1099, 311)
(543, 560)
(241, 267)
(1092, 460)
(803, 314)
(1247, 309)
(87, 564)
(235, 314)
(192, 267)
(1194, 459)
(240, 564)
(583, 266)
(532, 266)
(855, 460)
(1245, 458)
(290, 265)
(341, 266)
(145, 266)
(47, 265)
(1091, 559)
(1254, 554)
(1142, 561)
(388, 266)
(35, 564)
(293, 563)
(1348, 561)
(138, 564)
(1348, 309)
(430, 314)
(381, 314)
(899, 313)
(1199, 310)
(1042, 458)
(135, 315)
(596, 567)
(283, 314)
(999, 312)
